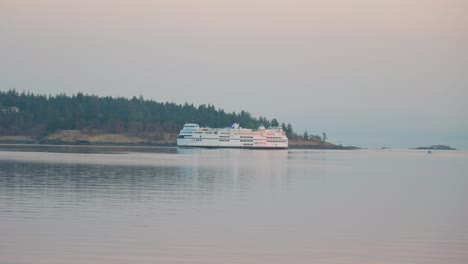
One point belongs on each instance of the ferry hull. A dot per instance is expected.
(206, 143)
(184, 144)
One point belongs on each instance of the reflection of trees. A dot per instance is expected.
(85, 180)
(195, 174)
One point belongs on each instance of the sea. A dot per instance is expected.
(87, 204)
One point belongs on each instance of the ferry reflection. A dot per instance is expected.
(241, 167)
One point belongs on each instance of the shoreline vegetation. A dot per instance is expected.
(76, 137)
(82, 119)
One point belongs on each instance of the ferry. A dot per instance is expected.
(192, 135)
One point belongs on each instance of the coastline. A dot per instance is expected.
(128, 141)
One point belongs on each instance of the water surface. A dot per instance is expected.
(166, 205)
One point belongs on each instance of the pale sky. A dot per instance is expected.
(369, 73)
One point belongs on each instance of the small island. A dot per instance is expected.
(437, 147)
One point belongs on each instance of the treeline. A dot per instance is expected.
(31, 114)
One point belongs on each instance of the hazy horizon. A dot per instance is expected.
(368, 73)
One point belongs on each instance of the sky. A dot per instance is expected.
(369, 73)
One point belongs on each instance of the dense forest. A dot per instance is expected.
(30, 114)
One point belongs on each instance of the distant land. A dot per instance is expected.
(437, 147)
(89, 119)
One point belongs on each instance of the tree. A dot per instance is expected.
(290, 128)
(324, 136)
(283, 126)
(315, 138)
(305, 136)
(274, 123)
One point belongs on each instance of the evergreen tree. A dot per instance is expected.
(274, 123)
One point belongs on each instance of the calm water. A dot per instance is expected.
(149, 205)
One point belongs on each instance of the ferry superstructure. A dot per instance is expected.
(192, 135)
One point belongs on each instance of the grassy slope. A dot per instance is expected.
(74, 136)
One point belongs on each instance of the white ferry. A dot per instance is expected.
(192, 135)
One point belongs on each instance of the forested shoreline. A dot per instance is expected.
(80, 118)
(31, 114)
